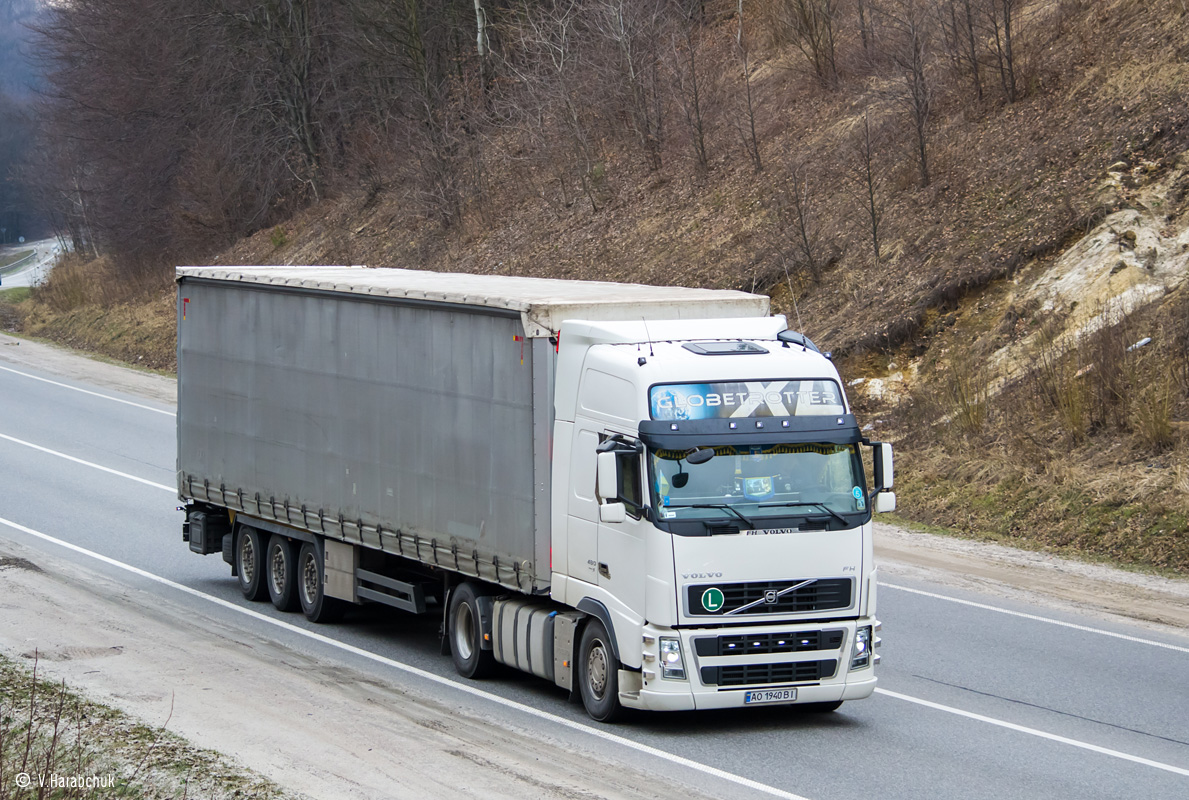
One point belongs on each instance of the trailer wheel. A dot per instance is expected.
(598, 674)
(281, 573)
(466, 634)
(249, 563)
(310, 587)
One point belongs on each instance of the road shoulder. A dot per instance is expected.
(321, 730)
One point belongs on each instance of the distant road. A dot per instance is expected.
(33, 271)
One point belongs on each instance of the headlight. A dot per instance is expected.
(860, 652)
(672, 664)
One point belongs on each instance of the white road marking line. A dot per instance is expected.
(170, 489)
(1147, 762)
(87, 391)
(1035, 618)
(680, 761)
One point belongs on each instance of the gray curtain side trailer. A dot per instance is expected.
(352, 435)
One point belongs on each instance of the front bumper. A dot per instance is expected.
(730, 662)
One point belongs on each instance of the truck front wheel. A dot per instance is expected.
(282, 574)
(465, 629)
(311, 587)
(598, 674)
(249, 563)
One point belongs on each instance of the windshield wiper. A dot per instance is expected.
(723, 506)
(822, 506)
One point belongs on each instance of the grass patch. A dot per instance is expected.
(13, 258)
(92, 306)
(55, 743)
(17, 294)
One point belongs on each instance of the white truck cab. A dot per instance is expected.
(710, 502)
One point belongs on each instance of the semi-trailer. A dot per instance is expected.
(653, 497)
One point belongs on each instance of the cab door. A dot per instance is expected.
(622, 558)
(582, 509)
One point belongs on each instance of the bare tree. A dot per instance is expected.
(809, 26)
(690, 87)
(555, 106)
(750, 142)
(865, 34)
(1000, 15)
(867, 179)
(634, 28)
(795, 212)
(908, 28)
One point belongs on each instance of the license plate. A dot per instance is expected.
(770, 696)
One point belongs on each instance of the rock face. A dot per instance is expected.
(1131, 258)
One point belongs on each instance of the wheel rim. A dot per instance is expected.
(276, 570)
(309, 579)
(596, 670)
(247, 560)
(464, 632)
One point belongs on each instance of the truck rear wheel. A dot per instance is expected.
(465, 631)
(311, 587)
(249, 563)
(598, 674)
(281, 573)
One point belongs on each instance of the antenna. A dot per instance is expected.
(784, 262)
(649, 335)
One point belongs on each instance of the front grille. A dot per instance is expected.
(764, 643)
(759, 674)
(825, 594)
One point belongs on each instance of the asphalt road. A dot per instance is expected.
(972, 702)
(32, 271)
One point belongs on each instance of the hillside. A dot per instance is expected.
(1046, 235)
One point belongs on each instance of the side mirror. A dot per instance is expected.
(884, 502)
(613, 512)
(608, 465)
(882, 464)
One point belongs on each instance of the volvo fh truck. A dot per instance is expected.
(652, 497)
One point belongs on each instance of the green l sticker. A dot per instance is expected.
(712, 599)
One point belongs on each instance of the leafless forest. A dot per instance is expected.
(171, 129)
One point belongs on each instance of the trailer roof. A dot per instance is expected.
(543, 303)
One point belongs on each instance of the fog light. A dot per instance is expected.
(672, 664)
(860, 652)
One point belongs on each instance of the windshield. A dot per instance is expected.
(749, 486)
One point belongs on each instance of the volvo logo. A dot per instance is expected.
(771, 596)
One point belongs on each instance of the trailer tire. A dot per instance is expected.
(249, 563)
(281, 573)
(465, 631)
(598, 673)
(311, 587)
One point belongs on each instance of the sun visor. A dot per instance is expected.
(685, 434)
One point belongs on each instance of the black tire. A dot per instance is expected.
(311, 584)
(281, 573)
(465, 633)
(249, 563)
(598, 674)
(820, 708)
